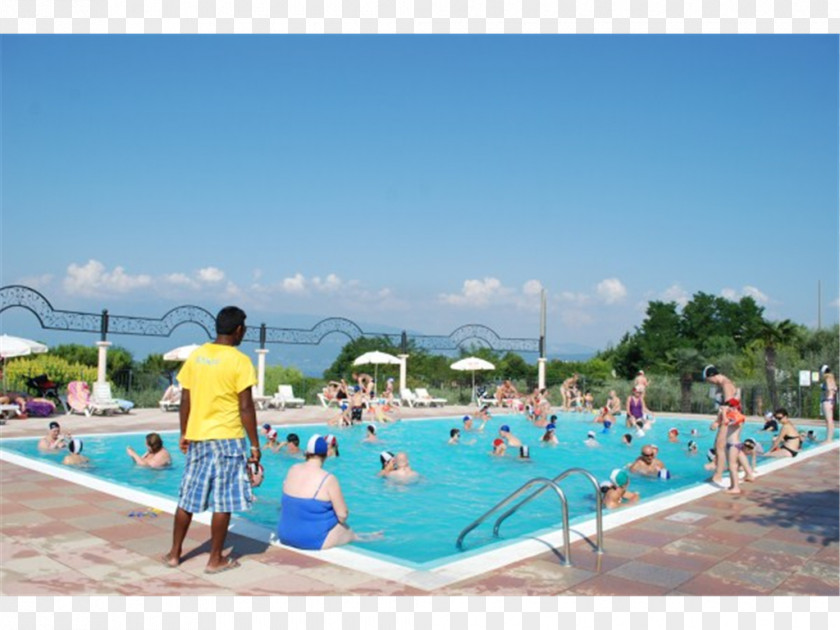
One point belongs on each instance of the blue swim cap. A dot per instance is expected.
(504, 428)
(467, 418)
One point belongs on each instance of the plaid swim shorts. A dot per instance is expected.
(216, 477)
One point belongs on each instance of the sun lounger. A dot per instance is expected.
(102, 401)
(285, 397)
(410, 398)
(487, 400)
(424, 395)
(171, 400)
(328, 402)
(9, 411)
(261, 402)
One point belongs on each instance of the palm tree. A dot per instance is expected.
(687, 362)
(773, 335)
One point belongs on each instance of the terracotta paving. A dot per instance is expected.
(779, 538)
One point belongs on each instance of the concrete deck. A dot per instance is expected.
(58, 538)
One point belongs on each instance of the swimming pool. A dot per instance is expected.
(421, 521)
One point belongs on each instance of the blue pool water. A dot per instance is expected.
(458, 483)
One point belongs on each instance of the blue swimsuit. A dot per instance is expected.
(305, 523)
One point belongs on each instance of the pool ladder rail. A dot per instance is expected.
(544, 484)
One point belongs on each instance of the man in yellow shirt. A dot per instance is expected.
(216, 413)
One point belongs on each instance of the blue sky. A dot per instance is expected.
(421, 182)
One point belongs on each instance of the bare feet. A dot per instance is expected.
(227, 564)
(169, 561)
(733, 491)
(748, 479)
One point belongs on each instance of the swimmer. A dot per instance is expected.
(156, 455)
(271, 443)
(692, 447)
(647, 463)
(499, 447)
(614, 492)
(54, 441)
(398, 469)
(550, 434)
(75, 457)
(640, 430)
(627, 439)
(332, 444)
(469, 426)
(454, 436)
(371, 434)
(770, 423)
(510, 438)
(673, 435)
(484, 413)
(605, 417)
(591, 441)
(292, 445)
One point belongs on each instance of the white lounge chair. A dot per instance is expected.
(260, 402)
(487, 400)
(328, 402)
(102, 401)
(410, 398)
(9, 411)
(424, 395)
(285, 397)
(171, 400)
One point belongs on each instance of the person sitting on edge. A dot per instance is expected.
(54, 441)
(510, 438)
(647, 463)
(156, 455)
(75, 457)
(614, 492)
(313, 511)
(454, 436)
(291, 444)
(499, 447)
(635, 408)
(614, 403)
(788, 442)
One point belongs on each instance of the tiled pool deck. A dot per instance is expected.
(779, 538)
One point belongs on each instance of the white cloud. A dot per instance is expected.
(575, 318)
(211, 275)
(330, 284)
(611, 290)
(295, 284)
(532, 287)
(93, 279)
(675, 293)
(180, 280)
(37, 282)
(748, 291)
(476, 293)
(574, 298)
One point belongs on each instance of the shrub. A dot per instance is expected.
(18, 370)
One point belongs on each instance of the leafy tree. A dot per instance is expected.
(660, 332)
(688, 363)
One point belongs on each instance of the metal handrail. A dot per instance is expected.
(546, 484)
(598, 504)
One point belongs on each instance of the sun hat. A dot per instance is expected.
(619, 477)
(75, 446)
(504, 428)
(317, 445)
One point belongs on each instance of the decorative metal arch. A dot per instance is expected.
(104, 323)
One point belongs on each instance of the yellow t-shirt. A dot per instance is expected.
(215, 374)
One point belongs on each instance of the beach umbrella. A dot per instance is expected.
(471, 364)
(180, 354)
(376, 358)
(18, 347)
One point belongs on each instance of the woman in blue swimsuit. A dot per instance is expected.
(313, 512)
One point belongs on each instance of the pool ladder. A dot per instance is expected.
(545, 484)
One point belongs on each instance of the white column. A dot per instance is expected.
(403, 383)
(541, 372)
(261, 352)
(103, 361)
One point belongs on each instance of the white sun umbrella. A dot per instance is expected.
(18, 347)
(376, 358)
(180, 354)
(472, 364)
